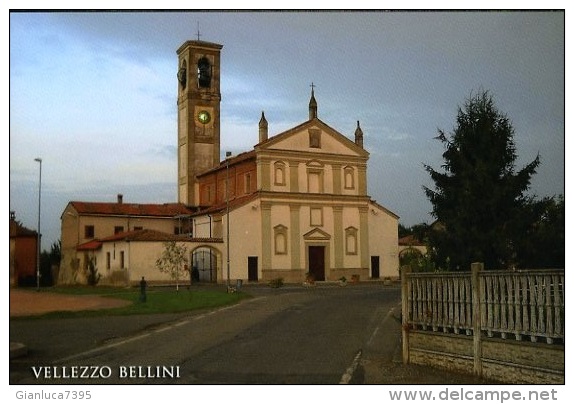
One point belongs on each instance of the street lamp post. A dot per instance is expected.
(227, 155)
(39, 241)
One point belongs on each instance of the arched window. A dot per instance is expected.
(182, 74)
(280, 239)
(349, 177)
(279, 173)
(203, 73)
(351, 240)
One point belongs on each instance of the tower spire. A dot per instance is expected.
(359, 135)
(263, 128)
(312, 104)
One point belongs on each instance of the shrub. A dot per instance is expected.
(276, 283)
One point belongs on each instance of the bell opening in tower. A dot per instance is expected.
(203, 73)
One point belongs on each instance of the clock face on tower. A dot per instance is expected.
(203, 116)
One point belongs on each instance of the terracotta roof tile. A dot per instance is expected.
(131, 209)
(410, 240)
(143, 235)
(233, 203)
(90, 246)
(232, 161)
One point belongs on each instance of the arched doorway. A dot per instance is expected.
(204, 264)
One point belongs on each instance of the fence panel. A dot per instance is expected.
(521, 303)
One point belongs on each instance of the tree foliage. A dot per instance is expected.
(543, 241)
(173, 261)
(92, 275)
(479, 198)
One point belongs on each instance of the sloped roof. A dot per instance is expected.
(142, 235)
(378, 205)
(233, 203)
(131, 209)
(409, 240)
(231, 161)
(90, 245)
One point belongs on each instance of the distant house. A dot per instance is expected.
(23, 253)
(87, 226)
(411, 246)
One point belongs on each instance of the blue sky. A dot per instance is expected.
(94, 95)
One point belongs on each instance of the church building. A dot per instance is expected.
(295, 206)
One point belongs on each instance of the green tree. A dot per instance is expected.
(92, 275)
(478, 197)
(173, 261)
(543, 241)
(47, 261)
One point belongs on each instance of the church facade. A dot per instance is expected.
(294, 206)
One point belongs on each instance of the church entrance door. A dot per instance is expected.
(317, 262)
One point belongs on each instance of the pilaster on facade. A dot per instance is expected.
(264, 173)
(295, 220)
(337, 174)
(266, 235)
(293, 176)
(338, 235)
(364, 236)
(362, 174)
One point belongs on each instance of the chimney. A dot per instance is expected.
(120, 198)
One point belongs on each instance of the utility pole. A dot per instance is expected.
(39, 241)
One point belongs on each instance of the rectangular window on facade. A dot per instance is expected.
(247, 183)
(89, 231)
(118, 229)
(138, 228)
(122, 262)
(316, 216)
(108, 261)
(315, 179)
(315, 138)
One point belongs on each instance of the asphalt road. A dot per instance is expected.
(292, 335)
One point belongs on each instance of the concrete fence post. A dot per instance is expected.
(405, 271)
(476, 268)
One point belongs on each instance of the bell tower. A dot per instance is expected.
(198, 100)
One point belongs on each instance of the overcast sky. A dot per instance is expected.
(94, 95)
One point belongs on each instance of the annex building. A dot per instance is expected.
(295, 204)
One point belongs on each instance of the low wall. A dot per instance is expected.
(507, 361)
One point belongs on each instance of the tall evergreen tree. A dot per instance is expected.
(479, 196)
